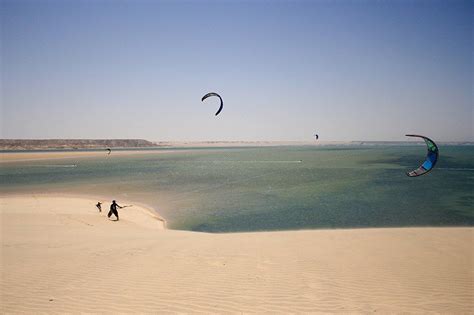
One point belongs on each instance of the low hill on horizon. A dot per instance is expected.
(44, 144)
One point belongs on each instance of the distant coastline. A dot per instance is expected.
(71, 144)
(97, 144)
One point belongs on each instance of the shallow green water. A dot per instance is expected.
(271, 188)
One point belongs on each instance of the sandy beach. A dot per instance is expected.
(59, 254)
(74, 156)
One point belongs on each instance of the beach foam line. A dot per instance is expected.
(245, 161)
(53, 166)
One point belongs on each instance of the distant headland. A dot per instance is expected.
(72, 144)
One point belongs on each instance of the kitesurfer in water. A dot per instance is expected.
(113, 210)
(98, 205)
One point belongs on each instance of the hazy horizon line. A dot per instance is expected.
(231, 141)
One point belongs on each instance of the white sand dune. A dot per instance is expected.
(59, 255)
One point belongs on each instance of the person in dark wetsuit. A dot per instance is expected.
(98, 205)
(113, 210)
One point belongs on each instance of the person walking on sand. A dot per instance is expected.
(98, 205)
(113, 209)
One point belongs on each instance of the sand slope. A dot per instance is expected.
(57, 258)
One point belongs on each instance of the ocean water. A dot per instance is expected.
(269, 188)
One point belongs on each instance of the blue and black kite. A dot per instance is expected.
(431, 157)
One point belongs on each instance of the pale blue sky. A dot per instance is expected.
(348, 70)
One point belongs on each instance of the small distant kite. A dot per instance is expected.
(431, 157)
(316, 136)
(214, 94)
(109, 150)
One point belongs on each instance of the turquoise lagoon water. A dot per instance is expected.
(269, 188)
